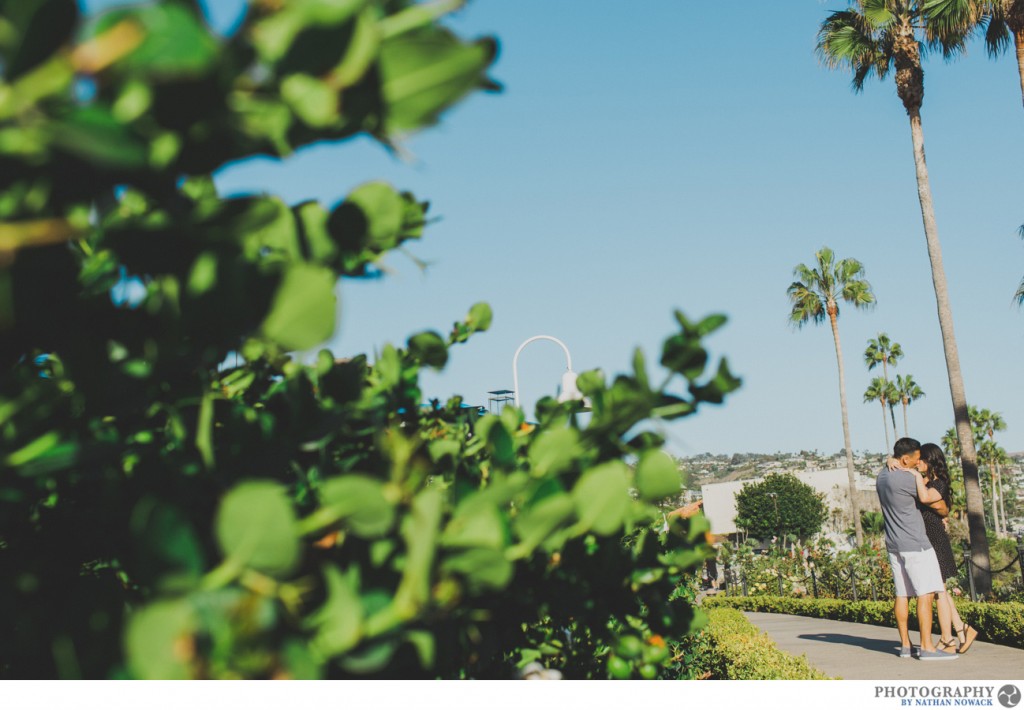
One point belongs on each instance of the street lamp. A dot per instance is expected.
(569, 389)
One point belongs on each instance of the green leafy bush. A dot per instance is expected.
(1001, 623)
(735, 649)
(179, 497)
(778, 505)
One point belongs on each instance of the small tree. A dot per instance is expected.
(781, 504)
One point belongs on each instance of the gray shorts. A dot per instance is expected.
(916, 572)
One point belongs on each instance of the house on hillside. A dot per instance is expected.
(720, 501)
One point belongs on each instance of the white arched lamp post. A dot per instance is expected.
(569, 389)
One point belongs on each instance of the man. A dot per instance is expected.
(915, 569)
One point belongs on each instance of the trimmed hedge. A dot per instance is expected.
(741, 651)
(1001, 623)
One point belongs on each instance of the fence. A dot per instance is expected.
(856, 580)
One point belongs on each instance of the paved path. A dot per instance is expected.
(865, 652)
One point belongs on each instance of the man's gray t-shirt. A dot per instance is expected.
(904, 526)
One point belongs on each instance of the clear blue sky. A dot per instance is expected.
(654, 155)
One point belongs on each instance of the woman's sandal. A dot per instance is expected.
(968, 634)
(944, 645)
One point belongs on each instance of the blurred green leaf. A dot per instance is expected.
(429, 348)
(94, 135)
(360, 503)
(312, 100)
(176, 43)
(303, 311)
(159, 641)
(554, 451)
(426, 71)
(256, 528)
(420, 532)
(275, 33)
(338, 622)
(482, 567)
(475, 524)
(602, 499)
(480, 316)
(539, 519)
(657, 476)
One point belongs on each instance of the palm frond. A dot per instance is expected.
(878, 13)
(951, 18)
(808, 306)
(847, 40)
(998, 37)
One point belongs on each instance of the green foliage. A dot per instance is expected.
(1001, 623)
(179, 497)
(781, 504)
(738, 650)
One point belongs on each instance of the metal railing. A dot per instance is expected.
(838, 582)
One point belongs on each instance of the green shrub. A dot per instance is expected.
(738, 650)
(179, 496)
(1001, 623)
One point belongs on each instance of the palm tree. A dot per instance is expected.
(908, 392)
(873, 37)
(1001, 21)
(990, 422)
(1020, 289)
(882, 350)
(878, 391)
(815, 296)
(892, 396)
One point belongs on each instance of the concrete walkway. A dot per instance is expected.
(865, 652)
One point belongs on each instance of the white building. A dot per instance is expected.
(720, 499)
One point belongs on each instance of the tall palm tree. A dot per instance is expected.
(1020, 289)
(883, 351)
(878, 391)
(1001, 21)
(815, 297)
(909, 392)
(990, 422)
(874, 37)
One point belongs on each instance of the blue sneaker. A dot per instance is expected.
(905, 651)
(937, 656)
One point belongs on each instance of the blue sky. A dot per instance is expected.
(654, 155)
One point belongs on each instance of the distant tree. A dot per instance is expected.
(814, 298)
(908, 392)
(878, 391)
(780, 503)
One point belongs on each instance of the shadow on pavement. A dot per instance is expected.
(890, 648)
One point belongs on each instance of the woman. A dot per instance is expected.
(933, 491)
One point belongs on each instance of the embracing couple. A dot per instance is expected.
(913, 489)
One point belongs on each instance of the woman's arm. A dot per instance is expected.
(930, 497)
(925, 494)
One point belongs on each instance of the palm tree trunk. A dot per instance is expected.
(846, 429)
(995, 498)
(1002, 506)
(885, 425)
(906, 429)
(1018, 40)
(968, 454)
(885, 378)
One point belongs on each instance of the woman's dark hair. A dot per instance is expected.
(936, 460)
